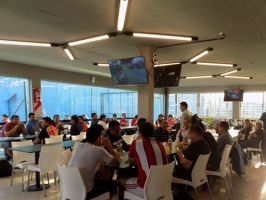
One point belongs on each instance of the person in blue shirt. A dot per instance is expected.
(32, 125)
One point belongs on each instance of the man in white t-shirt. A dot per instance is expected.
(102, 122)
(185, 112)
(88, 155)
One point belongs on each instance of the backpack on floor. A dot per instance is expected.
(5, 168)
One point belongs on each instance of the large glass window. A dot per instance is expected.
(253, 105)
(14, 97)
(158, 105)
(213, 105)
(68, 99)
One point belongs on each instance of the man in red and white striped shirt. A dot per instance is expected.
(146, 152)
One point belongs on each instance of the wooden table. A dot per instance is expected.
(36, 149)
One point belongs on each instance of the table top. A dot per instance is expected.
(10, 139)
(37, 147)
(128, 127)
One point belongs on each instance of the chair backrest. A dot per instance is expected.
(50, 157)
(71, 183)
(65, 157)
(19, 157)
(158, 182)
(83, 134)
(225, 158)
(128, 138)
(77, 137)
(54, 139)
(198, 174)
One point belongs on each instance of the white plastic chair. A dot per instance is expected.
(65, 157)
(50, 157)
(21, 160)
(83, 134)
(128, 139)
(198, 175)
(54, 139)
(157, 187)
(72, 186)
(257, 150)
(222, 172)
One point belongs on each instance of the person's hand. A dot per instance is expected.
(179, 153)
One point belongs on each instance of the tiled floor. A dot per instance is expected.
(251, 186)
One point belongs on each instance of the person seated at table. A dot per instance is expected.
(114, 117)
(47, 130)
(76, 127)
(224, 137)
(12, 129)
(145, 152)
(123, 120)
(94, 119)
(187, 158)
(171, 121)
(56, 123)
(4, 120)
(254, 137)
(134, 121)
(244, 132)
(83, 123)
(140, 122)
(114, 135)
(183, 133)
(162, 133)
(87, 157)
(32, 125)
(102, 122)
(159, 121)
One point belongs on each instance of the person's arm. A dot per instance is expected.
(12, 132)
(108, 158)
(185, 162)
(24, 130)
(108, 146)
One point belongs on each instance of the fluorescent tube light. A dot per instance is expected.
(216, 64)
(238, 77)
(230, 72)
(197, 77)
(69, 54)
(122, 14)
(166, 64)
(94, 39)
(200, 55)
(21, 43)
(166, 37)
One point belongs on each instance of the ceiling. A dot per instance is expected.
(243, 22)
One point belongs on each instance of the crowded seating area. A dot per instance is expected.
(132, 100)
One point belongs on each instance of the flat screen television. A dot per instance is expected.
(128, 71)
(233, 95)
(167, 76)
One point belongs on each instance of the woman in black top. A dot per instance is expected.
(76, 127)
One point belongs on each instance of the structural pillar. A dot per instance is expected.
(146, 92)
(236, 110)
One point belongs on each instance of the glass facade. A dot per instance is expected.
(69, 99)
(158, 105)
(14, 98)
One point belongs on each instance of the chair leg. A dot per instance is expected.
(22, 176)
(28, 179)
(44, 189)
(55, 175)
(48, 179)
(229, 183)
(12, 177)
(196, 192)
(209, 188)
(31, 176)
(225, 184)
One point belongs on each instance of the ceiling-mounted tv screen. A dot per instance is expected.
(128, 71)
(233, 95)
(167, 76)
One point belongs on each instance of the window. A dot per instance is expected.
(176, 99)
(253, 105)
(14, 98)
(158, 105)
(213, 105)
(69, 99)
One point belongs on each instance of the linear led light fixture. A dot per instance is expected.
(197, 77)
(101, 64)
(216, 64)
(238, 77)
(165, 37)
(93, 39)
(122, 14)
(205, 52)
(166, 64)
(69, 54)
(21, 43)
(230, 72)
